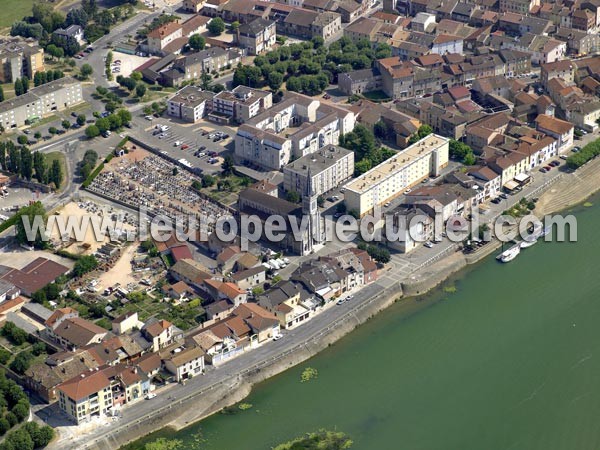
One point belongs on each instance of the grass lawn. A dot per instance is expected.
(13, 10)
(61, 158)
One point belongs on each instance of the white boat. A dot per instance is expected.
(510, 254)
(527, 243)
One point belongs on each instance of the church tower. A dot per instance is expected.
(310, 208)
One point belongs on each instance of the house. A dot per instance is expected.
(423, 22)
(360, 81)
(410, 227)
(161, 333)
(8, 291)
(179, 291)
(305, 24)
(219, 310)
(563, 69)
(263, 324)
(163, 35)
(193, 6)
(183, 362)
(192, 66)
(397, 77)
(226, 290)
(126, 322)
(257, 36)
(72, 32)
(559, 129)
(250, 278)
(75, 332)
(34, 276)
(283, 300)
(399, 126)
(240, 104)
(190, 271)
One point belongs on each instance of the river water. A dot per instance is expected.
(511, 360)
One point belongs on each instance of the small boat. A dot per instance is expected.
(527, 243)
(510, 254)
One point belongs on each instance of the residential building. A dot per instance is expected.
(40, 101)
(72, 32)
(563, 69)
(240, 104)
(400, 127)
(397, 77)
(74, 332)
(518, 6)
(305, 24)
(411, 226)
(19, 57)
(193, 6)
(183, 362)
(264, 325)
(85, 395)
(257, 36)
(125, 322)
(296, 126)
(250, 278)
(283, 301)
(423, 22)
(328, 168)
(389, 179)
(360, 81)
(161, 333)
(559, 129)
(190, 104)
(190, 271)
(160, 37)
(205, 61)
(8, 291)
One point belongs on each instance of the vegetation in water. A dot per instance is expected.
(308, 374)
(245, 406)
(588, 204)
(450, 289)
(320, 440)
(164, 444)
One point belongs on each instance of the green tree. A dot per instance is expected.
(137, 76)
(56, 174)
(21, 409)
(208, 180)
(275, 80)
(293, 197)
(19, 365)
(92, 131)
(86, 70)
(124, 115)
(235, 25)
(81, 119)
(22, 139)
(197, 42)
(216, 26)
(26, 163)
(19, 87)
(25, 84)
(52, 130)
(4, 425)
(66, 124)
(140, 90)
(84, 265)
(228, 165)
(40, 166)
(1, 94)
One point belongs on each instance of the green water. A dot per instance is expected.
(509, 361)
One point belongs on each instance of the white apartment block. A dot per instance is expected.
(297, 126)
(40, 101)
(240, 104)
(190, 104)
(392, 177)
(328, 168)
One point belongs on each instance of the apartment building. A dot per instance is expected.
(85, 395)
(305, 24)
(160, 37)
(19, 57)
(296, 126)
(240, 104)
(257, 36)
(190, 104)
(327, 168)
(389, 179)
(518, 6)
(206, 61)
(40, 101)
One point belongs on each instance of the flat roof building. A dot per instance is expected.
(389, 179)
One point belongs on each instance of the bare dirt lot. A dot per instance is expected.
(121, 272)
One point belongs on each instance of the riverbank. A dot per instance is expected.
(184, 412)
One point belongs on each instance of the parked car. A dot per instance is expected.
(277, 337)
(177, 143)
(148, 117)
(387, 204)
(428, 244)
(213, 154)
(555, 163)
(200, 154)
(185, 147)
(150, 395)
(564, 157)
(202, 147)
(496, 201)
(543, 170)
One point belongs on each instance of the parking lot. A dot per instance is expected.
(124, 64)
(203, 144)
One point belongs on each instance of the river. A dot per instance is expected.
(511, 360)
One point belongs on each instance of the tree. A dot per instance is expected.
(197, 42)
(52, 130)
(12, 419)
(175, 171)
(423, 131)
(382, 130)
(81, 119)
(125, 116)
(92, 131)
(66, 124)
(19, 87)
(25, 84)
(1, 94)
(216, 26)
(84, 265)
(21, 409)
(235, 25)
(4, 426)
(19, 365)
(86, 70)
(208, 180)
(55, 51)
(56, 174)
(40, 166)
(275, 80)
(22, 139)
(140, 90)
(293, 197)
(228, 165)
(26, 163)
(20, 439)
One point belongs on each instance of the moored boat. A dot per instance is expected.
(510, 254)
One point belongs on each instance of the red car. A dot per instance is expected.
(184, 147)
